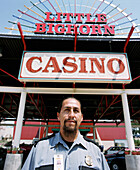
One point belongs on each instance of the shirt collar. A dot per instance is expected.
(58, 139)
(80, 140)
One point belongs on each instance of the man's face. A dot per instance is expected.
(70, 115)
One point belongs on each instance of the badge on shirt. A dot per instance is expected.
(58, 162)
(88, 160)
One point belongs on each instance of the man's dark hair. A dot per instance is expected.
(60, 105)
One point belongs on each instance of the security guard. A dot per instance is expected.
(68, 149)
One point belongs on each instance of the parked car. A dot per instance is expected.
(116, 161)
(114, 149)
(3, 153)
(26, 150)
(136, 136)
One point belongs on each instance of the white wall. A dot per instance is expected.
(107, 144)
(6, 131)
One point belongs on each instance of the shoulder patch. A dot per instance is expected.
(45, 138)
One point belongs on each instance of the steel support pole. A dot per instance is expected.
(46, 129)
(94, 137)
(127, 120)
(19, 123)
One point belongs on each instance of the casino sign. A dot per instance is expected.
(74, 67)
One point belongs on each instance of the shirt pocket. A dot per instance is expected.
(87, 168)
(45, 167)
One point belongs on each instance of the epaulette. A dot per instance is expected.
(89, 140)
(45, 138)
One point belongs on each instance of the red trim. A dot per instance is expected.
(136, 78)
(30, 16)
(10, 75)
(128, 38)
(73, 86)
(52, 6)
(3, 99)
(22, 36)
(75, 40)
(98, 7)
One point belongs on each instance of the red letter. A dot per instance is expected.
(88, 19)
(83, 65)
(58, 17)
(96, 30)
(79, 16)
(62, 29)
(101, 19)
(87, 30)
(68, 16)
(41, 28)
(71, 28)
(99, 66)
(54, 65)
(66, 63)
(48, 17)
(29, 64)
(110, 66)
(50, 31)
(108, 30)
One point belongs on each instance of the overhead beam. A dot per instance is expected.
(36, 106)
(90, 126)
(87, 91)
(107, 108)
(7, 111)
(137, 112)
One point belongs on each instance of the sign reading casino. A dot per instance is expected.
(65, 24)
(74, 67)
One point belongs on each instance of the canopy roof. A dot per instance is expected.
(45, 106)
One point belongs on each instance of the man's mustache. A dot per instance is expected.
(70, 120)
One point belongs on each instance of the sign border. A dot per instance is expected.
(94, 80)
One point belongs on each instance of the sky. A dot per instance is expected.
(10, 7)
